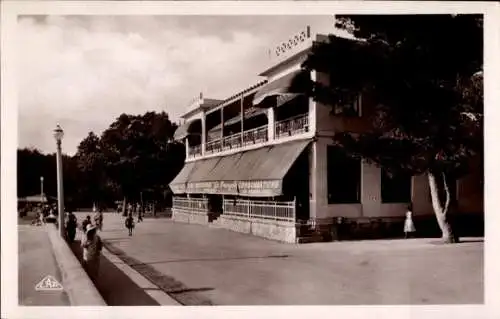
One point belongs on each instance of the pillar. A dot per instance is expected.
(270, 123)
(203, 133)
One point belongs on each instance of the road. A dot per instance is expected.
(199, 265)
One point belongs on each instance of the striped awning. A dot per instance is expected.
(279, 88)
(185, 129)
(255, 173)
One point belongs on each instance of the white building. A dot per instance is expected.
(262, 162)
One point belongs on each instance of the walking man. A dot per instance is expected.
(129, 223)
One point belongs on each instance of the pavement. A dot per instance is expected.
(36, 260)
(197, 265)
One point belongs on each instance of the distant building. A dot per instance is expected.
(262, 162)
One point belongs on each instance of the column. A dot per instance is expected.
(187, 147)
(242, 118)
(203, 133)
(312, 108)
(271, 122)
(312, 181)
(371, 190)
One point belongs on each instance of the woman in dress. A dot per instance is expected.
(92, 246)
(409, 228)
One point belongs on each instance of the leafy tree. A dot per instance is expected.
(90, 162)
(423, 75)
(137, 154)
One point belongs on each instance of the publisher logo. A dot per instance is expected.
(48, 283)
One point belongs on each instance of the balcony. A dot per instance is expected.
(292, 126)
(255, 136)
(195, 151)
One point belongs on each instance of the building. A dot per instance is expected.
(262, 162)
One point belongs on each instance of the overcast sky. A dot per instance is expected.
(84, 71)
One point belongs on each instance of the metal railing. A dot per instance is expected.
(195, 205)
(213, 147)
(255, 136)
(195, 151)
(296, 125)
(231, 141)
(266, 210)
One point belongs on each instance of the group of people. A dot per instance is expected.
(91, 242)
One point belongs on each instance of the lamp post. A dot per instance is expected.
(58, 135)
(41, 188)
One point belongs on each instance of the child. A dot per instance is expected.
(409, 228)
(129, 223)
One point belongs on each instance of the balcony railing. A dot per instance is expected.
(267, 210)
(255, 136)
(293, 126)
(231, 141)
(195, 151)
(213, 147)
(194, 205)
(289, 127)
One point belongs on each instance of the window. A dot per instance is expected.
(395, 188)
(350, 109)
(343, 177)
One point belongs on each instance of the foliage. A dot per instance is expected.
(134, 154)
(422, 73)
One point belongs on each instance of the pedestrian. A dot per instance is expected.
(92, 246)
(139, 215)
(98, 219)
(71, 226)
(409, 227)
(85, 223)
(129, 223)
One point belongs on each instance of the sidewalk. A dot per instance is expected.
(36, 260)
(199, 265)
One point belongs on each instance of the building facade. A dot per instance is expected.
(263, 162)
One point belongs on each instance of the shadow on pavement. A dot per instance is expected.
(208, 259)
(116, 288)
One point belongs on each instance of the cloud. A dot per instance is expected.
(84, 71)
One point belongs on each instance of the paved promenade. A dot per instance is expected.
(36, 260)
(199, 265)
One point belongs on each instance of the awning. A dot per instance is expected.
(249, 113)
(255, 173)
(185, 130)
(280, 87)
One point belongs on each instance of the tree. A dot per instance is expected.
(137, 154)
(423, 74)
(90, 162)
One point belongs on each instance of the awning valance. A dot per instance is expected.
(186, 129)
(255, 173)
(279, 88)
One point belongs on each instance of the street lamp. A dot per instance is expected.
(58, 135)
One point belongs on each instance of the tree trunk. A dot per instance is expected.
(441, 199)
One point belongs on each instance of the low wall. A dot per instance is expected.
(78, 286)
(189, 217)
(275, 230)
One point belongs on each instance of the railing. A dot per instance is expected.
(199, 205)
(232, 141)
(195, 151)
(266, 210)
(289, 127)
(255, 136)
(293, 126)
(213, 147)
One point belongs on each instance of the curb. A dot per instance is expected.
(78, 286)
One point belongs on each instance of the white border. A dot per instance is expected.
(10, 10)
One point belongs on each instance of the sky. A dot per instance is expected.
(82, 72)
